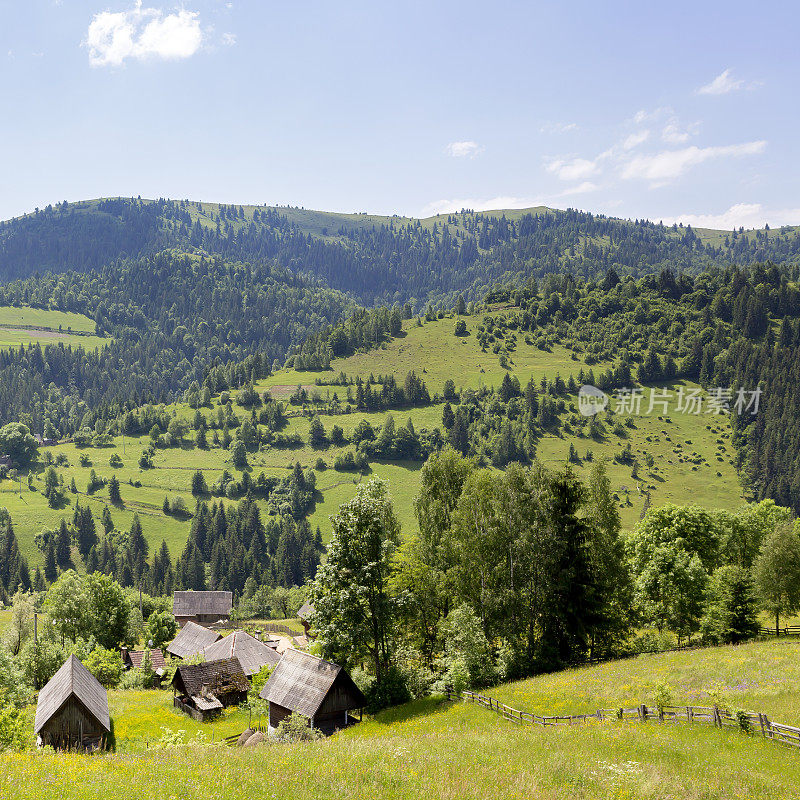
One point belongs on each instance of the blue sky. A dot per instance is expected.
(667, 111)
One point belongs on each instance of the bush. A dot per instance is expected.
(135, 679)
(391, 690)
(295, 728)
(105, 665)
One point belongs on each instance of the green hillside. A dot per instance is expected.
(692, 454)
(23, 325)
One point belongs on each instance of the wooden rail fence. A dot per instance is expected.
(745, 721)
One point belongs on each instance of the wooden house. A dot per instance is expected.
(204, 608)
(202, 690)
(252, 654)
(72, 710)
(305, 612)
(192, 639)
(319, 690)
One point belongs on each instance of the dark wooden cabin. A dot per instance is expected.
(191, 640)
(204, 608)
(252, 654)
(72, 710)
(202, 690)
(319, 690)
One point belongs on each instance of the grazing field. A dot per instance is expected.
(22, 325)
(435, 750)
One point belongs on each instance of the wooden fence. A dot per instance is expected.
(788, 630)
(745, 721)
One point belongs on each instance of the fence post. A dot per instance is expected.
(761, 723)
(643, 712)
(717, 718)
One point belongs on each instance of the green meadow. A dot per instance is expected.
(23, 325)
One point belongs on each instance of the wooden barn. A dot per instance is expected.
(317, 689)
(191, 640)
(202, 690)
(72, 710)
(204, 608)
(252, 654)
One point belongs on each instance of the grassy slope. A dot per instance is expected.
(688, 450)
(27, 325)
(433, 750)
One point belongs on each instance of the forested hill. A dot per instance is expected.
(379, 259)
(169, 319)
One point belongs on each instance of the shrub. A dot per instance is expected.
(105, 665)
(391, 690)
(295, 728)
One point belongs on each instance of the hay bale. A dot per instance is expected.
(242, 740)
(255, 739)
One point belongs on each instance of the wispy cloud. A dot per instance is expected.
(660, 168)
(467, 149)
(746, 215)
(558, 127)
(674, 133)
(141, 34)
(229, 39)
(635, 139)
(479, 204)
(724, 83)
(572, 169)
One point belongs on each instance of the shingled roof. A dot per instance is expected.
(252, 654)
(156, 658)
(301, 682)
(72, 680)
(306, 610)
(216, 678)
(191, 639)
(188, 604)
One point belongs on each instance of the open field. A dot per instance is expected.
(434, 750)
(22, 325)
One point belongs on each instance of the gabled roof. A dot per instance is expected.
(251, 653)
(72, 680)
(187, 604)
(301, 682)
(306, 610)
(156, 658)
(191, 639)
(216, 678)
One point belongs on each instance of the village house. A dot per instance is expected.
(192, 639)
(204, 608)
(72, 710)
(203, 690)
(252, 654)
(319, 690)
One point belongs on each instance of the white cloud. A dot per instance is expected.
(724, 83)
(635, 139)
(663, 167)
(747, 215)
(573, 169)
(142, 33)
(466, 149)
(675, 134)
(477, 204)
(229, 39)
(558, 127)
(581, 188)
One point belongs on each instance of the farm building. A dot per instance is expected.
(132, 659)
(204, 608)
(305, 612)
(252, 654)
(192, 639)
(317, 689)
(202, 690)
(72, 710)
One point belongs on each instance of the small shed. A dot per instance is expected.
(252, 654)
(191, 640)
(202, 690)
(205, 608)
(305, 612)
(317, 689)
(72, 710)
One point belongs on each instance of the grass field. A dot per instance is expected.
(433, 750)
(22, 325)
